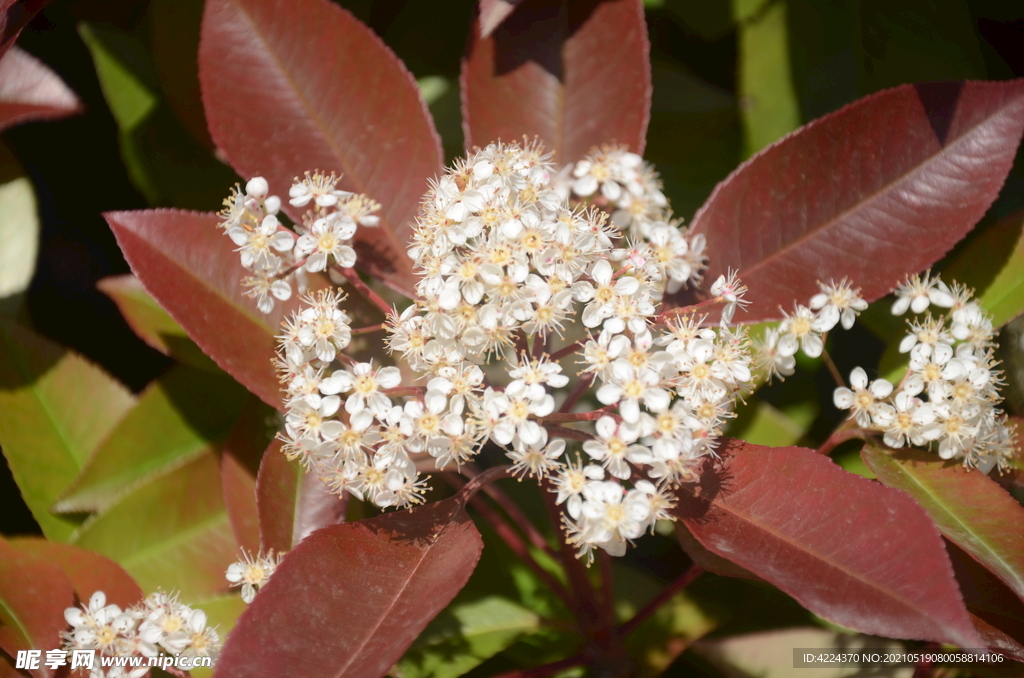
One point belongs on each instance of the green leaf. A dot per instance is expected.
(55, 408)
(970, 508)
(152, 323)
(464, 635)
(173, 532)
(663, 636)
(165, 163)
(760, 423)
(999, 283)
(19, 232)
(768, 102)
(183, 415)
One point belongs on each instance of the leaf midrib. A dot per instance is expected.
(815, 554)
(875, 195)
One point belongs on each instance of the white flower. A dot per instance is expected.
(837, 303)
(252, 572)
(328, 238)
(615, 446)
(627, 386)
(917, 293)
(259, 244)
(366, 385)
(801, 329)
(536, 460)
(864, 399)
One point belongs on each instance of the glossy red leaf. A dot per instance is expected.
(349, 599)
(575, 74)
(190, 268)
(969, 508)
(14, 16)
(292, 504)
(493, 12)
(846, 548)
(33, 597)
(297, 85)
(29, 91)
(87, 571)
(877, 190)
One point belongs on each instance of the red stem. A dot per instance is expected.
(524, 524)
(405, 391)
(581, 386)
(840, 436)
(369, 329)
(353, 277)
(505, 531)
(681, 582)
(578, 416)
(547, 669)
(562, 352)
(569, 433)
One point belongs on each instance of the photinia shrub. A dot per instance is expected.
(384, 339)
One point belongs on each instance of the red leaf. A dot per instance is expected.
(297, 85)
(187, 265)
(877, 190)
(969, 508)
(88, 571)
(291, 504)
(31, 91)
(349, 599)
(239, 464)
(846, 548)
(575, 74)
(14, 16)
(493, 12)
(33, 597)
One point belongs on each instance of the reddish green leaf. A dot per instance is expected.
(31, 91)
(297, 85)
(190, 268)
(292, 503)
(182, 415)
(848, 549)
(350, 598)
(55, 408)
(172, 533)
(88, 572)
(970, 508)
(152, 323)
(575, 74)
(879, 189)
(33, 597)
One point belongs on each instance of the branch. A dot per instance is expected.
(353, 277)
(669, 592)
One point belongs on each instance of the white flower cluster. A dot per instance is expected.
(628, 187)
(836, 304)
(252, 572)
(949, 395)
(160, 623)
(505, 264)
(274, 253)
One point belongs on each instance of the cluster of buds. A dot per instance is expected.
(160, 624)
(276, 255)
(949, 396)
